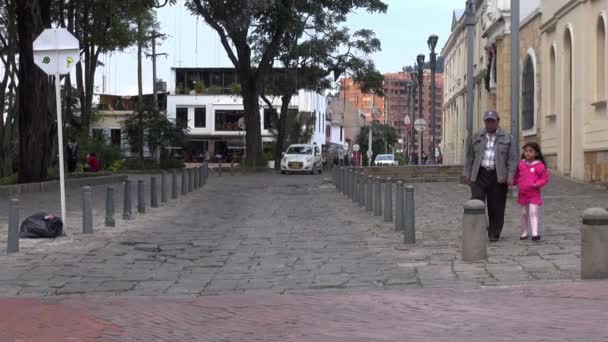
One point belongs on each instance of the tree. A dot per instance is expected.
(8, 84)
(252, 33)
(35, 121)
(383, 136)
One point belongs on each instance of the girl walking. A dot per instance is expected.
(531, 176)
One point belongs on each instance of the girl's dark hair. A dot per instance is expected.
(536, 148)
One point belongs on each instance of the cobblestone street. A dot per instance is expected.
(265, 235)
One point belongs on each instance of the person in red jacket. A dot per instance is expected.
(531, 177)
(93, 163)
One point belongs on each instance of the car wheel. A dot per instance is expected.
(282, 172)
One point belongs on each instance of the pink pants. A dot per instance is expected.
(530, 219)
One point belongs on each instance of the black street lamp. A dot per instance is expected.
(420, 62)
(414, 77)
(408, 90)
(432, 41)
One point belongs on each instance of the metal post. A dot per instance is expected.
(515, 73)
(420, 61)
(110, 222)
(163, 188)
(351, 184)
(127, 212)
(399, 207)
(174, 194)
(141, 201)
(409, 232)
(184, 182)
(201, 172)
(219, 170)
(356, 187)
(60, 149)
(153, 193)
(470, 76)
(388, 200)
(12, 243)
(87, 210)
(195, 178)
(190, 181)
(433, 96)
(378, 197)
(369, 194)
(362, 179)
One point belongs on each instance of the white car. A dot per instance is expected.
(386, 160)
(302, 158)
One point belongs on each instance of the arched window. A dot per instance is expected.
(600, 60)
(528, 90)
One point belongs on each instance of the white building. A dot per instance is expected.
(206, 99)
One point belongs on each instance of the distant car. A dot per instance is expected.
(302, 158)
(386, 160)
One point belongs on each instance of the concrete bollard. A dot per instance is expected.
(594, 244)
(356, 187)
(174, 193)
(399, 207)
(201, 172)
(87, 210)
(153, 193)
(127, 211)
(409, 217)
(353, 184)
(184, 182)
(219, 170)
(474, 231)
(141, 201)
(362, 180)
(388, 200)
(340, 180)
(369, 194)
(110, 222)
(163, 188)
(197, 179)
(232, 168)
(190, 181)
(377, 196)
(12, 242)
(351, 181)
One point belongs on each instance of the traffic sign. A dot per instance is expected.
(356, 147)
(419, 125)
(56, 51)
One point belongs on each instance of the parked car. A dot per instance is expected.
(386, 160)
(302, 158)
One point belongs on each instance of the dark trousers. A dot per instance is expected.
(486, 188)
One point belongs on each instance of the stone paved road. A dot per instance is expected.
(294, 234)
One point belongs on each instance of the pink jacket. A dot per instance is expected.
(530, 178)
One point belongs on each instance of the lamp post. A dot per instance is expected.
(414, 77)
(420, 62)
(432, 42)
(408, 91)
(470, 23)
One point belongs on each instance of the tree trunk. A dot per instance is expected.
(251, 95)
(282, 131)
(34, 127)
(140, 94)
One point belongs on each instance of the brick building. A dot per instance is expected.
(352, 93)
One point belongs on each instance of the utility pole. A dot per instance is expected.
(370, 152)
(470, 23)
(432, 41)
(515, 73)
(153, 56)
(420, 61)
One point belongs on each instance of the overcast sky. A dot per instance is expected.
(403, 31)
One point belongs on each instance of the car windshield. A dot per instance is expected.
(299, 150)
(384, 157)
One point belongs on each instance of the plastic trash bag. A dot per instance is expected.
(41, 226)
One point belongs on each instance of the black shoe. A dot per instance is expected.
(536, 238)
(494, 238)
(524, 237)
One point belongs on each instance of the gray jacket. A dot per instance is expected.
(506, 155)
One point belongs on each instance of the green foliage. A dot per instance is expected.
(235, 88)
(400, 157)
(8, 180)
(300, 128)
(199, 87)
(117, 165)
(105, 152)
(381, 135)
(216, 90)
(153, 129)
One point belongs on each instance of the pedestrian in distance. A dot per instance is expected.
(531, 177)
(490, 165)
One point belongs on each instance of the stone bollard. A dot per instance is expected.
(377, 196)
(153, 193)
(356, 187)
(219, 170)
(362, 180)
(174, 193)
(388, 200)
(110, 222)
(369, 194)
(594, 244)
(232, 168)
(399, 207)
(474, 231)
(409, 217)
(141, 201)
(351, 181)
(87, 210)
(163, 188)
(190, 181)
(201, 172)
(12, 242)
(127, 211)
(194, 179)
(353, 184)
(184, 182)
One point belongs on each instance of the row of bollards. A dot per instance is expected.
(366, 192)
(193, 178)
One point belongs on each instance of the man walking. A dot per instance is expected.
(489, 168)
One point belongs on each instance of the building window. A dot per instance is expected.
(341, 132)
(97, 134)
(227, 120)
(115, 136)
(181, 117)
(600, 72)
(528, 95)
(200, 117)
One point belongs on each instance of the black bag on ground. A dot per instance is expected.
(41, 226)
